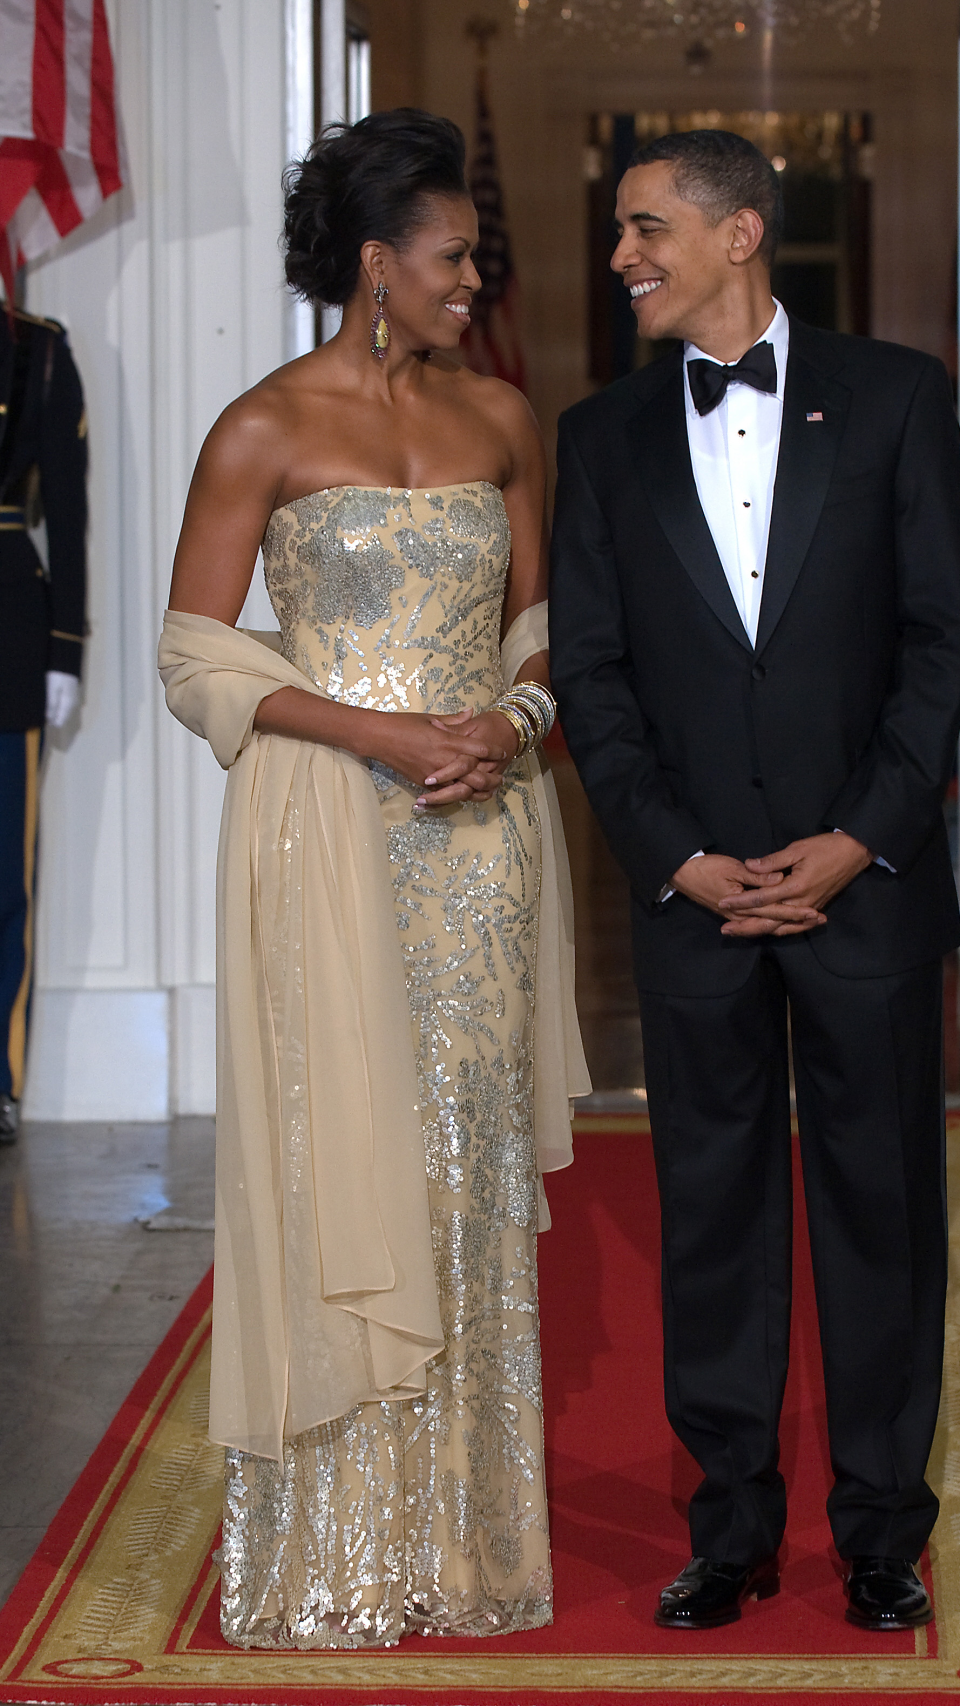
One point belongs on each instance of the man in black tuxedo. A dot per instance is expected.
(755, 644)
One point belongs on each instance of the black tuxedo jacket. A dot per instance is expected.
(846, 713)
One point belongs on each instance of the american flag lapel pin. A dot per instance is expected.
(815, 415)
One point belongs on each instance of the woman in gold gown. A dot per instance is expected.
(396, 1043)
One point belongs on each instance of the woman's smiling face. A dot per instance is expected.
(431, 277)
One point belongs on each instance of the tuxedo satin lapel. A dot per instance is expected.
(667, 475)
(808, 451)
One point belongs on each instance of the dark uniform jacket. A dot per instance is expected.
(844, 715)
(43, 466)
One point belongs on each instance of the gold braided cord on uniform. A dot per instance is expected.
(17, 1038)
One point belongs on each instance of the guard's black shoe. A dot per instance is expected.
(9, 1119)
(886, 1593)
(707, 1594)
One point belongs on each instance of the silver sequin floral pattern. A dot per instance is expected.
(430, 1514)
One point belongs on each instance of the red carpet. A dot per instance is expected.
(618, 1481)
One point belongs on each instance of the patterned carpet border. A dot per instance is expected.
(124, 1570)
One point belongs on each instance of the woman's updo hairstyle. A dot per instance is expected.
(362, 182)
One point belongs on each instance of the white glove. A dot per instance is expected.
(63, 697)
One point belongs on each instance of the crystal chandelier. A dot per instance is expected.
(623, 23)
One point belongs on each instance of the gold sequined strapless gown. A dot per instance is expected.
(428, 1514)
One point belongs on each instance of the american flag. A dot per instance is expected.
(492, 344)
(60, 151)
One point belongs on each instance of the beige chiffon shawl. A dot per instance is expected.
(325, 1293)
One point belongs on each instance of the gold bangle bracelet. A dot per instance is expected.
(516, 722)
(539, 702)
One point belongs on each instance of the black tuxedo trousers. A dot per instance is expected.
(844, 715)
(871, 1140)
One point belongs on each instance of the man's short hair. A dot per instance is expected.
(721, 172)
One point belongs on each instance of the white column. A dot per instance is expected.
(301, 326)
(333, 62)
(174, 301)
(333, 100)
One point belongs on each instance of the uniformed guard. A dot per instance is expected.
(43, 468)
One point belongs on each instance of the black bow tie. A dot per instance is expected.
(709, 380)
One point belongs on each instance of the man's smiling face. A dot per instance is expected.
(675, 265)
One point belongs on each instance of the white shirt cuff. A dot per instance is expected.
(876, 857)
(666, 892)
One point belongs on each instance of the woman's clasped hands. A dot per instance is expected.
(455, 758)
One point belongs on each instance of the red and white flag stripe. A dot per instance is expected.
(60, 149)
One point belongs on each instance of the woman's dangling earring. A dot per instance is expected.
(380, 325)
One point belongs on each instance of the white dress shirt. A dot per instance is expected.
(734, 452)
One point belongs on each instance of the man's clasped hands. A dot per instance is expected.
(783, 894)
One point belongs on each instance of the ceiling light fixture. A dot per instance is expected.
(617, 24)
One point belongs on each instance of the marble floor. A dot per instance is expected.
(87, 1291)
(86, 1294)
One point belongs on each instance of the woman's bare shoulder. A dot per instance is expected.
(500, 405)
(253, 435)
(278, 397)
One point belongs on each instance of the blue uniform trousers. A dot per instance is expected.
(19, 784)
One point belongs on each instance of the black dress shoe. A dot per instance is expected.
(707, 1594)
(9, 1119)
(886, 1593)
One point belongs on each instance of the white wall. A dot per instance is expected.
(174, 302)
